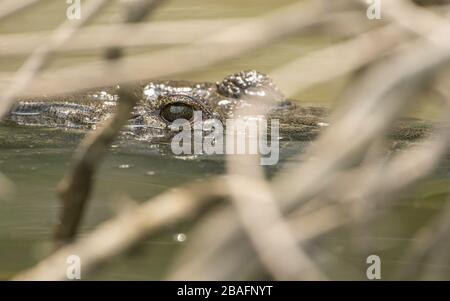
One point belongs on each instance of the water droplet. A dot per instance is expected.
(180, 237)
(125, 166)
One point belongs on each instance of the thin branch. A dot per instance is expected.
(138, 10)
(123, 232)
(373, 102)
(75, 188)
(99, 37)
(163, 33)
(256, 33)
(221, 255)
(425, 21)
(336, 60)
(258, 211)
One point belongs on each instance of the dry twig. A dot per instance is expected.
(75, 188)
(114, 237)
(256, 33)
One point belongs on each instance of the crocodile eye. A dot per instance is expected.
(178, 110)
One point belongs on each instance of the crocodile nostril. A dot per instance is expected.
(174, 111)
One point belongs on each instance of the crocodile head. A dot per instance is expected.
(163, 102)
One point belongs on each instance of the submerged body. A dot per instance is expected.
(165, 101)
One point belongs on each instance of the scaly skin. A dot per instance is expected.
(219, 100)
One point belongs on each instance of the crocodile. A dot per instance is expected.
(162, 102)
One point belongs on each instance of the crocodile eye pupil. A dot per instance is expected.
(176, 111)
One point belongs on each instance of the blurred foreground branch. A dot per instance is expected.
(255, 33)
(75, 188)
(114, 237)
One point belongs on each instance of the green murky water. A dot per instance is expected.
(39, 160)
(36, 159)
